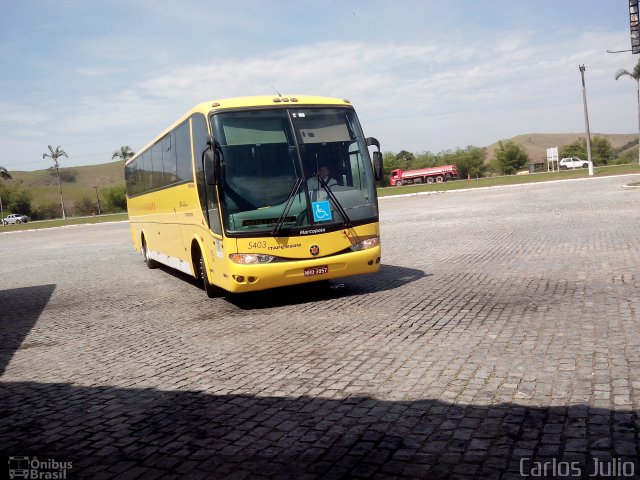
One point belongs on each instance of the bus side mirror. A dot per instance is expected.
(211, 162)
(377, 165)
(376, 160)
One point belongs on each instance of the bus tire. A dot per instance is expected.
(210, 290)
(151, 263)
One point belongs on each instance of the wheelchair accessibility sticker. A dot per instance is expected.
(321, 211)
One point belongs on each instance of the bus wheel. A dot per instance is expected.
(439, 179)
(211, 290)
(151, 263)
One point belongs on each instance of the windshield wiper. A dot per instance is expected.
(338, 205)
(287, 206)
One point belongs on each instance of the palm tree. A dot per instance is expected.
(125, 153)
(4, 174)
(635, 74)
(54, 155)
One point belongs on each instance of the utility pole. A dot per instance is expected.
(1, 212)
(98, 198)
(586, 120)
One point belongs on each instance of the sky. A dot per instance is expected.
(423, 75)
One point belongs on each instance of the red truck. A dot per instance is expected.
(424, 175)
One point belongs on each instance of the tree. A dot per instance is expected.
(470, 161)
(426, 160)
(601, 150)
(389, 159)
(635, 74)
(627, 157)
(85, 206)
(511, 157)
(125, 153)
(116, 198)
(47, 211)
(55, 155)
(575, 149)
(15, 200)
(4, 174)
(390, 163)
(21, 202)
(405, 160)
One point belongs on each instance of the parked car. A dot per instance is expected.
(573, 162)
(15, 218)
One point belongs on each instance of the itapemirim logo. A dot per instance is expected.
(32, 468)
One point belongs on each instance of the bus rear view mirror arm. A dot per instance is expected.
(372, 142)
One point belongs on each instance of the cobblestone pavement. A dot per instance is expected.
(501, 335)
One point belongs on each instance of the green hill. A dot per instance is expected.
(77, 182)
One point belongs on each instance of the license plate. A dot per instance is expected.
(316, 270)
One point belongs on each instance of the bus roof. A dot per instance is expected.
(266, 101)
(246, 102)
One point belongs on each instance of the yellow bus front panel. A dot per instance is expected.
(304, 259)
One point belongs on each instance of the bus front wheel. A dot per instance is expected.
(211, 290)
(151, 263)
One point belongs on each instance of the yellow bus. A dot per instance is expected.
(253, 193)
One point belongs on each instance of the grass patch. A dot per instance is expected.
(37, 225)
(510, 180)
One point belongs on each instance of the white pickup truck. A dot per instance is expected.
(15, 218)
(573, 162)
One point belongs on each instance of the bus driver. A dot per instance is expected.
(325, 174)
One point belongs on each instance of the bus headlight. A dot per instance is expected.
(366, 244)
(250, 258)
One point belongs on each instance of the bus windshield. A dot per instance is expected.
(291, 168)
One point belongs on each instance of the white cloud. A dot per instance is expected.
(419, 96)
(14, 114)
(94, 72)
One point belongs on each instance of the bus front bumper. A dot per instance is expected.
(249, 278)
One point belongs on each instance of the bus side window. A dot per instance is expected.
(169, 158)
(183, 153)
(129, 177)
(147, 171)
(156, 162)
